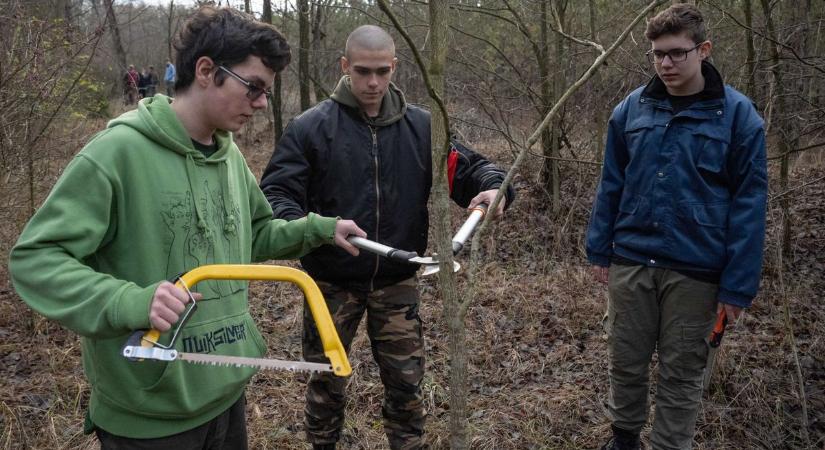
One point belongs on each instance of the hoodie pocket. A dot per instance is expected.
(186, 389)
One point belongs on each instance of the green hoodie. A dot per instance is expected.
(136, 206)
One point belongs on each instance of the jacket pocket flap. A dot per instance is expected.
(715, 133)
(629, 204)
(713, 215)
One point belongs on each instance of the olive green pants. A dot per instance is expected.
(655, 309)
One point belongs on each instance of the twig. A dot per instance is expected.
(788, 191)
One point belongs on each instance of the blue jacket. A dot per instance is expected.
(169, 76)
(685, 191)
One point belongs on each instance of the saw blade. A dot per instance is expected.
(260, 363)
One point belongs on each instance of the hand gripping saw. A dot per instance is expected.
(146, 344)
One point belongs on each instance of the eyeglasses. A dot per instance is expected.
(676, 55)
(253, 91)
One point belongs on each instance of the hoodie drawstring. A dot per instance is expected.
(229, 219)
(196, 196)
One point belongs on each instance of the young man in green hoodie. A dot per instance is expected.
(162, 190)
(365, 154)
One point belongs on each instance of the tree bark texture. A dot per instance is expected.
(303, 53)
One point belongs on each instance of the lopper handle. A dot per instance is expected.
(333, 348)
(718, 329)
(381, 249)
(467, 228)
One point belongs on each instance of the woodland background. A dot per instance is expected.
(537, 367)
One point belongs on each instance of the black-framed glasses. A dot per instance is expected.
(253, 91)
(676, 54)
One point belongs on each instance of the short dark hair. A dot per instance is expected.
(677, 19)
(228, 37)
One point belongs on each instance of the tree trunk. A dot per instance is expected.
(303, 53)
(549, 168)
(750, 51)
(317, 35)
(120, 54)
(453, 314)
(598, 113)
(276, 101)
(169, 31)
(781, 127)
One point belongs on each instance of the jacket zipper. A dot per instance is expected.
(377, 202)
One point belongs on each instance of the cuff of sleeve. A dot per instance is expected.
(133, 307)
(599, 260)
(325, 227)
(734, 298)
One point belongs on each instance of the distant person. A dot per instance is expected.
(162, 190)
(130, 85)
(143, 82)
(365, 153)
(677, 228)
(152, 87)
(169, 79)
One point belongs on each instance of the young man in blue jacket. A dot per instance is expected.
(365, 153)
(677, 228)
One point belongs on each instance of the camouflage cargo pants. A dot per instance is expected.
(394, 330)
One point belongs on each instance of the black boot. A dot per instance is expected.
(622, 440)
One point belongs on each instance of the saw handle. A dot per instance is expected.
(467, 228)
(333, 348)
(718, 329)
(381, 249)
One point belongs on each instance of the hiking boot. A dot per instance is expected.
(622, 440)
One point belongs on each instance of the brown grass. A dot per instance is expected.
(537, 370)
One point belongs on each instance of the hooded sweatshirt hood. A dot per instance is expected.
(155, 119)
(393, 104)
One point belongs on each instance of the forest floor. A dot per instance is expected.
(537, 356)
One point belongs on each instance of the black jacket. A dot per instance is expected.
(333, 161)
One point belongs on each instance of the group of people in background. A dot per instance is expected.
(138, 85)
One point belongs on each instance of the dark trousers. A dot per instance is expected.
(394, 330)
(225, 432)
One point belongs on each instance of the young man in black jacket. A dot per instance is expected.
(365, 154)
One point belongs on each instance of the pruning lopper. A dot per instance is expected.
(430, 263)
(146, 344)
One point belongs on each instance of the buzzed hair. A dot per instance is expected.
(370, 38)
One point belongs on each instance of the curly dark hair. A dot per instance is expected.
(228, 37)
(679, 18)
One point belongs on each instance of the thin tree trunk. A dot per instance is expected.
(317, 35)
(169, 30)
(598, 113)
(303, 53)
(547, 136)
(750, 51)
(120, 54)
(276, 101)
(453, 316)
(783, 128)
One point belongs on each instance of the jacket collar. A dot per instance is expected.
(393, 104)
(714, 86)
